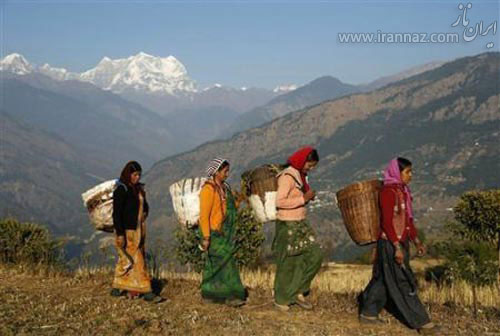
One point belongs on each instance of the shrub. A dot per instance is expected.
(473, 262)
(28, 243)
(478, 216)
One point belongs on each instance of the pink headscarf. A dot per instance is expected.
(392, 176)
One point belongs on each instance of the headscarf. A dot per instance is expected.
(298, 160)
(214, 166)
(392, 176)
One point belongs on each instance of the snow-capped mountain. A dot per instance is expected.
(16, 63)
(57, 73)
(285, 88)
(141, 72)
(218, 86)
(213, 86)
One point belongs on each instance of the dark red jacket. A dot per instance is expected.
(390, 207)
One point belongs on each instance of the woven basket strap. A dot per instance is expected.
(297, 183)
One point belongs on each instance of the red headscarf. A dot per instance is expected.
(298, 161)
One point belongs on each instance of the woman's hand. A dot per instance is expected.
(205, 244)
(120, 241)
(421, 250)
(309, 195)
(373, 255)
(398, 254)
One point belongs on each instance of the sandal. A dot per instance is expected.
(153, 298)
(280, 307)
(303, 303)
(235, 303)
(429, 329)
(116, 292)
(363, 319)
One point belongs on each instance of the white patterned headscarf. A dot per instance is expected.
(214, 165)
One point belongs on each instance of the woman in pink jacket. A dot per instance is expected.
(298, 255)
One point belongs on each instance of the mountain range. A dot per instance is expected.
(140, 72)
(315, 92)
(99, 122)
(446, 120)
(143, 74)
(72, 133)
(41, 176)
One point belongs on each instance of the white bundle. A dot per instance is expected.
(186, 200)
(264, 212)
(99, 203)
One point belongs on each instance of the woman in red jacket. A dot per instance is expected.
(393, 280)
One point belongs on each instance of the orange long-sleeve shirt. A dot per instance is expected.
(212, 210)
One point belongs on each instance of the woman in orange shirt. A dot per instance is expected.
(221, 278)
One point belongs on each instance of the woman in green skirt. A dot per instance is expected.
(221, 278)
(298, 255)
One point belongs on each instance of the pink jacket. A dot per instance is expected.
(289, 197)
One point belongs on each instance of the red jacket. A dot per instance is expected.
(396, 225)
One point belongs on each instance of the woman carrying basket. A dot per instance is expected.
(393, 279)
(298, 256)
(221, 281)
(130, 210)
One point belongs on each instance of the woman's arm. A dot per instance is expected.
(119, 196)
(146, 207)
(206, 204)
(413, 232)
(286, 184)
(387, 202)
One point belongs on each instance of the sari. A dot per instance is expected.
(131, 273)
(221, 278)
(298, 259)
(395, 287)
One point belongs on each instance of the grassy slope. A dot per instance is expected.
(80, 304)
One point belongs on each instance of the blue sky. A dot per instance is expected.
(245, 43)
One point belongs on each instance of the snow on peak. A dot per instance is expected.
(285, 88)
(57, 73)
(141, 72)
(16, 63)
(214, 86)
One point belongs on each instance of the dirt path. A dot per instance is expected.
(67, 305)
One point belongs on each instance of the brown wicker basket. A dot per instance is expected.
(359, 205)
(260, 180)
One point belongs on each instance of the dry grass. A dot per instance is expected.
(351, 279)
(51, 303)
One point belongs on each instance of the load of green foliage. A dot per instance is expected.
(248, 239)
